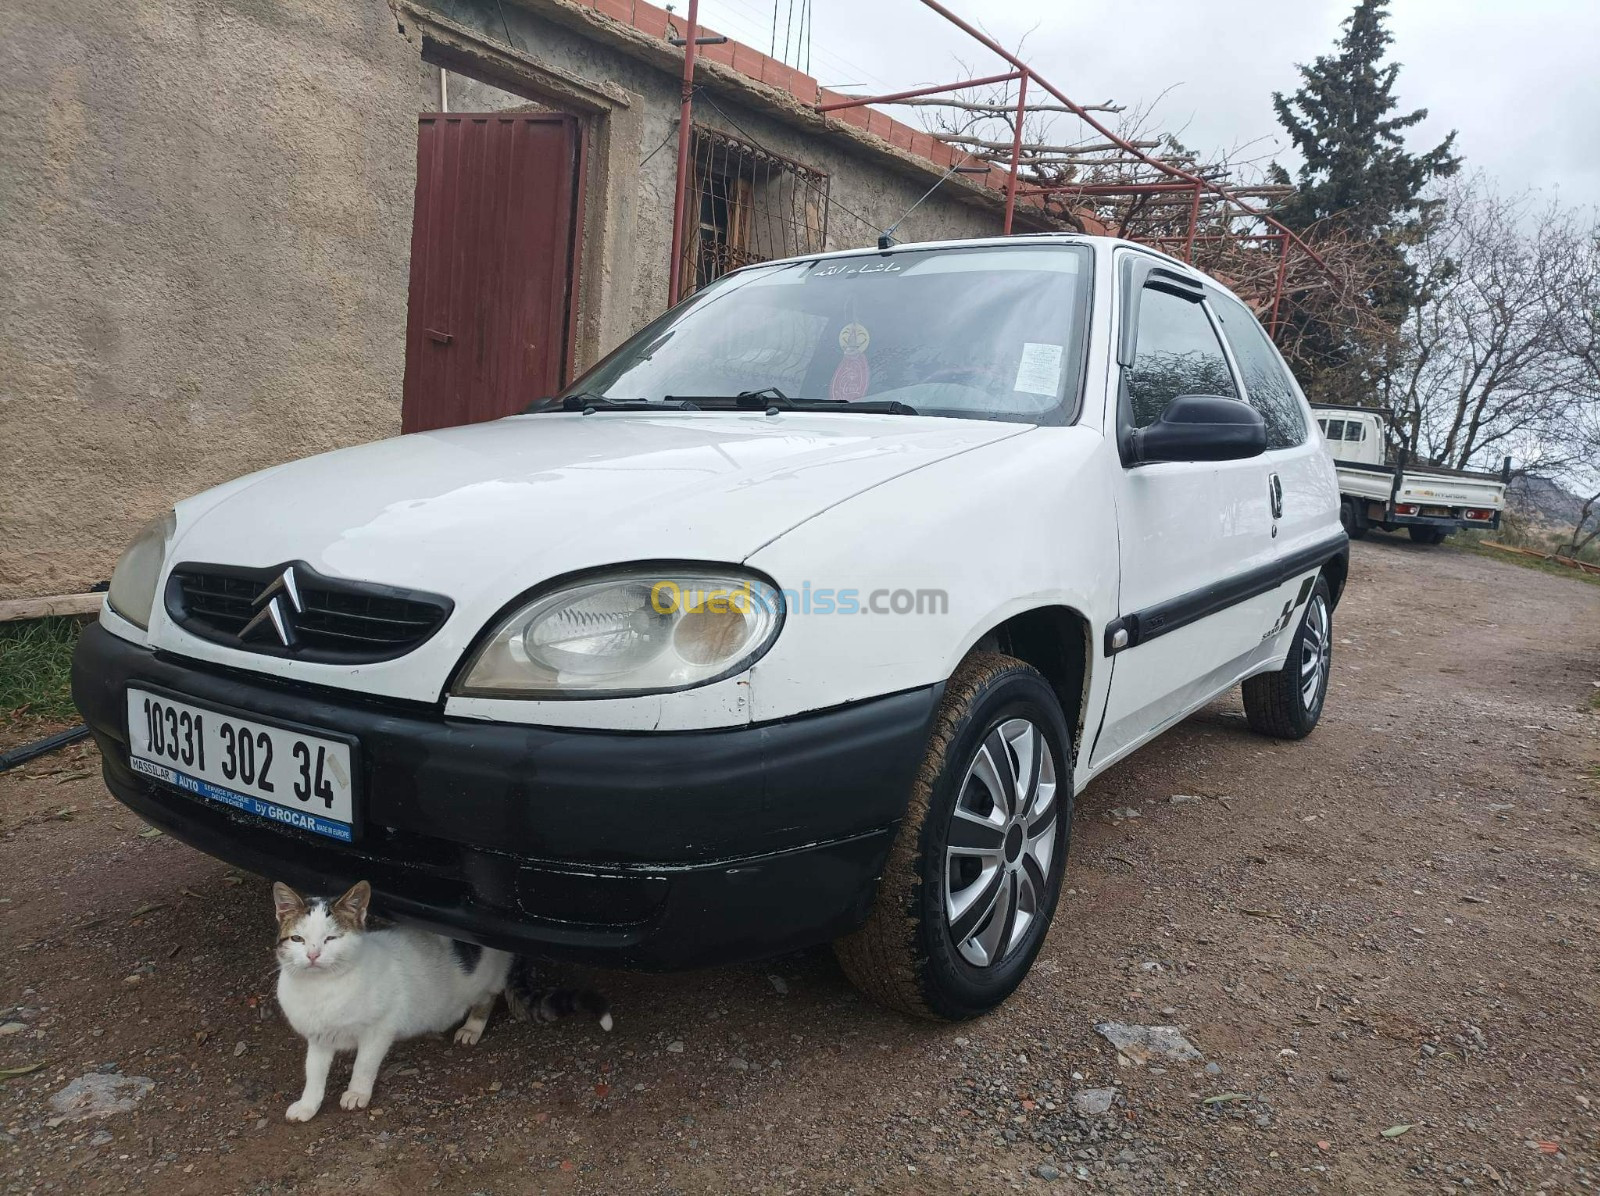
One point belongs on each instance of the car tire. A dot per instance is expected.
(934, 945)
(1350, 517)
(1425, 535)
(1287, 704)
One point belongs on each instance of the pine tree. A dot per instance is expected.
(1356, 172)
(1357, 179)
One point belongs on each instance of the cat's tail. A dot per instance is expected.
(530, 1001)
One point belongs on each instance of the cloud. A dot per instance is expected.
(1516, 80)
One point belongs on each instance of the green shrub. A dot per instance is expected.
(35, 664)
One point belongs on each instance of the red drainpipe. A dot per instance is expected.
(680, 196)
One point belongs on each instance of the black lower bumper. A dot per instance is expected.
(655, 851)
(1445, 523)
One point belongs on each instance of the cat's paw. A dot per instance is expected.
(469, 1034)
(354, 1100)
(302, 1110)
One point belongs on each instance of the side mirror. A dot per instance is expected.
(1202, 428)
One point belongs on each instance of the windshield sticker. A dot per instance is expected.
(854, 375)
(1039, 371)
(846, 269)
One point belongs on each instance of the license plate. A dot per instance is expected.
(278, 773)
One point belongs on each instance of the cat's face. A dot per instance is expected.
(316, 935)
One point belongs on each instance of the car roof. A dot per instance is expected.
(1015, 241)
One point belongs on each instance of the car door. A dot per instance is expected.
(1304, 484)
(1190, 532)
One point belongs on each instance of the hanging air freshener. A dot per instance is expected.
(851, 378)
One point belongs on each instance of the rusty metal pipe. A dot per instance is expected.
(1277, 287)
(685, 127)
(1194, 219)
(1016, 152)
(1111, 188)
(1123, 144)
(920, 91)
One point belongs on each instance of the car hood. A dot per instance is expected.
(484, 512)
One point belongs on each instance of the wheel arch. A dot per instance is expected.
(1336, 570)
(1058, 641)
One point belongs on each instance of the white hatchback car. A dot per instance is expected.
(800, 618)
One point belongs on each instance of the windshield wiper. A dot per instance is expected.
(770, 398)
(584, 401)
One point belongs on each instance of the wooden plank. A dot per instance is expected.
(1583, 566)
(42, 608)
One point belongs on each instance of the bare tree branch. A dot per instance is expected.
(1083, 147)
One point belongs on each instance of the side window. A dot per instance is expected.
(1266, 383)
(1336, 429)
(1178, 354)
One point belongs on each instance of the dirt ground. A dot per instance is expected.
(1390, 924)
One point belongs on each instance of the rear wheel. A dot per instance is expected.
(1287, 704)
(1426, 535)
(972, 879)
(1350, 518)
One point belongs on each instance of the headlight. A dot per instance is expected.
(632, 632)
(133, 581)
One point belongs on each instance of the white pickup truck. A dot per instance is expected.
(800, 618)
(1378, 488)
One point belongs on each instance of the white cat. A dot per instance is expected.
(345, 988)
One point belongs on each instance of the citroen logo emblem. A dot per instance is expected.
(275, 607)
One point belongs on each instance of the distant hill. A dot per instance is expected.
(1544, 501)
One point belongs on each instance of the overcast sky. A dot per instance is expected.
(1519, 80)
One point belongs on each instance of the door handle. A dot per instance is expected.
(442, 338)
(1275, 492)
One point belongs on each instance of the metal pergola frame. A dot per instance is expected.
(1174, 180)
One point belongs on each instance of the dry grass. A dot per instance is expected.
(1473, 541)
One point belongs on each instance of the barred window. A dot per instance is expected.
(748, 205)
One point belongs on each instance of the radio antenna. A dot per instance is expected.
(886, 239)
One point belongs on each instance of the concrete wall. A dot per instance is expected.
(864, 196)
(205, 221)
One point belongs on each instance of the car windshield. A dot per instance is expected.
(983, 333)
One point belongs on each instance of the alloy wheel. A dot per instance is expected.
(1316, 646)
(1002, 843)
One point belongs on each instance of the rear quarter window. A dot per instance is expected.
(1268, 387)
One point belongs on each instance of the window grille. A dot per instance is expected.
(748, 205)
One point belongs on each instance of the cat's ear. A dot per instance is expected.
(352, 907)
(286, 902)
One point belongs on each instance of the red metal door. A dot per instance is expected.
(492, 265)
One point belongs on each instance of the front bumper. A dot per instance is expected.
(653, 851)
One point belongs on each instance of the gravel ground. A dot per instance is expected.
(1391, 924)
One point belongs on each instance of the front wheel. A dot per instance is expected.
(972, 879)
(1288, 703)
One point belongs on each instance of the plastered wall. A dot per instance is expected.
(205, 223)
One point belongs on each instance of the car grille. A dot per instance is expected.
(335, 620)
